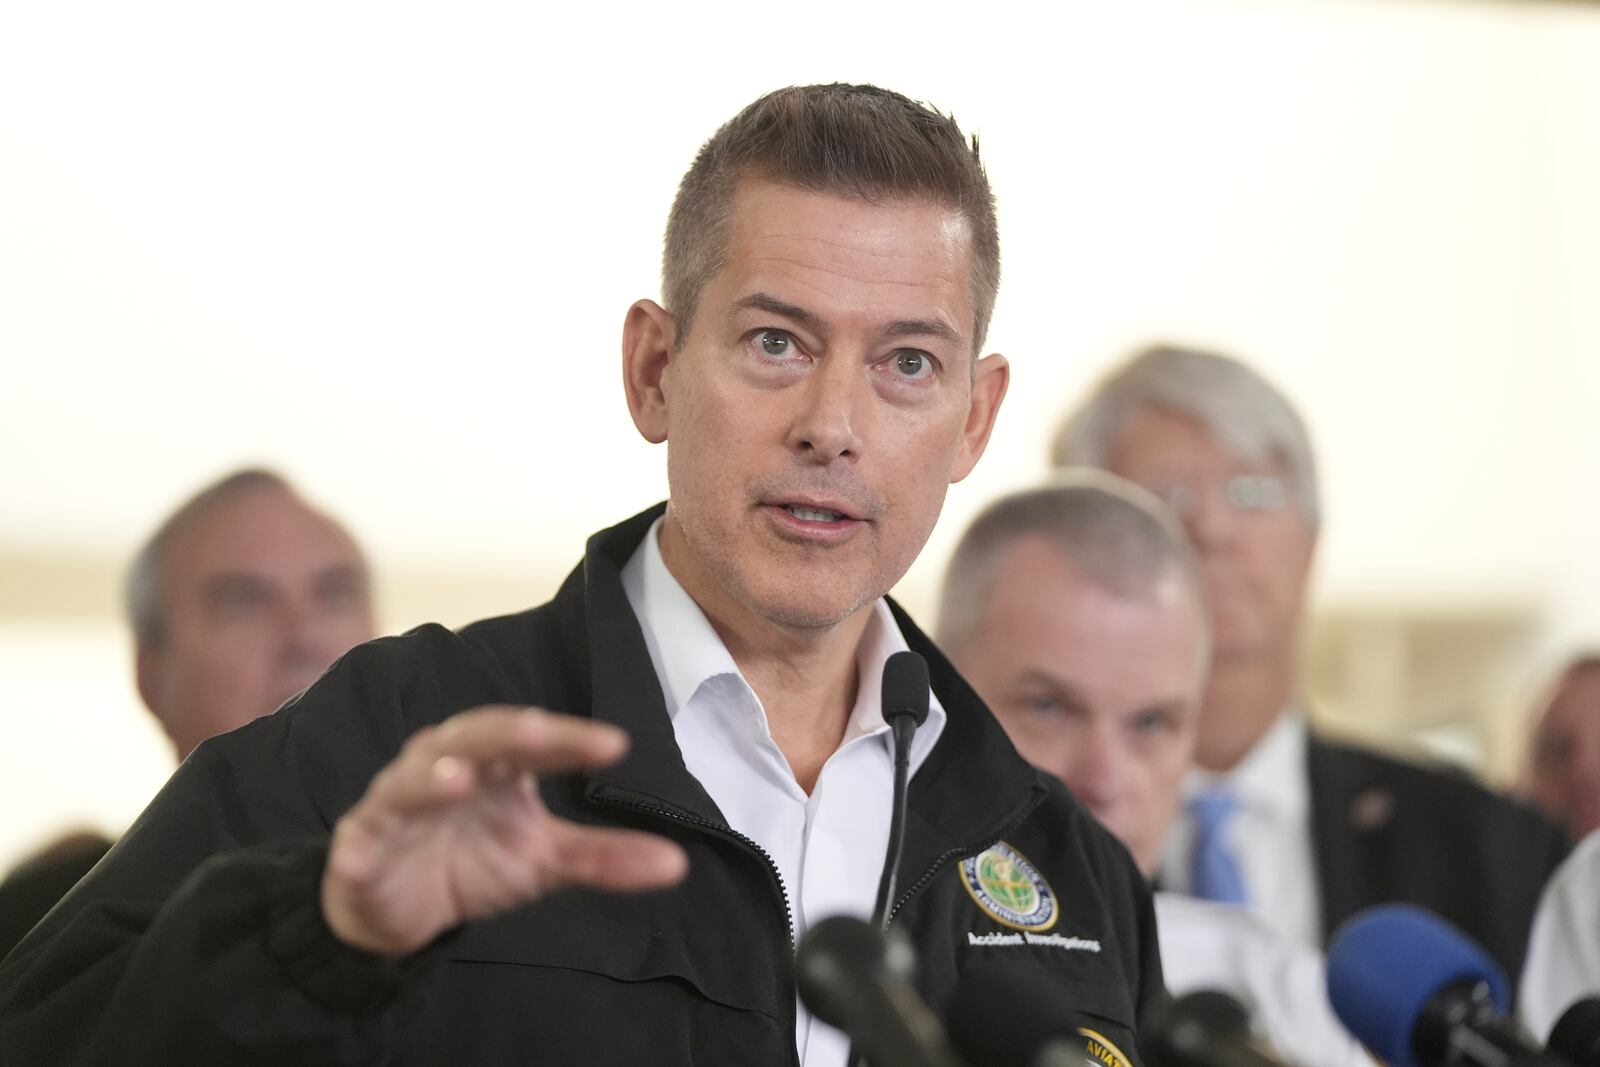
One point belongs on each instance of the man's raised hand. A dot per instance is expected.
(454, 829)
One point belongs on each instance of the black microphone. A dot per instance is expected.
(1205, 1028)
(1419, 993)
(905, 707)
(854, 975)
(1021, 1016)
(1576, 1034)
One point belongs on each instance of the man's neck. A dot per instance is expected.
(1244, 697)
(805, 677)
(808, 688)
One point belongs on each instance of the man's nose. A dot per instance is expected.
(826, 427)
(1100, 768)
(1212, 523)
(311, 635)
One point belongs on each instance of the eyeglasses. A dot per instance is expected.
(1243, 494)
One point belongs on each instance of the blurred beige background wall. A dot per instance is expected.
(387, 249)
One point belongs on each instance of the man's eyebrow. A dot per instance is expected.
(1173, 705)
(229, 583)
(349, 571)
(772, 305)
(923, 328)
(795, 313)
(1062, 686)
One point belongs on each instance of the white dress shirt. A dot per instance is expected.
(1269, 833)
(1205, 945)
(1564, 948)
(829, 846)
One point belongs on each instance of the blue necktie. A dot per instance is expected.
(1216, 874)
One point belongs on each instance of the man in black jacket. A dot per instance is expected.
(420, 859)
(1315, 831)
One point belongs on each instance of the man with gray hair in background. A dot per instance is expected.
(1077, 610)
(238, 601)
(1303, 831)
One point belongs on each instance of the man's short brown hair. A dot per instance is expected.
(856, 140)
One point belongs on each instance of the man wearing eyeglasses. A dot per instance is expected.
(1301, 830)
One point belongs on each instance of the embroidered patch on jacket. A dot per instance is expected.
(1009, 889)
(1100, 1050)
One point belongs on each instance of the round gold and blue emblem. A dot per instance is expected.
(1099, 1049)
(1009, 889)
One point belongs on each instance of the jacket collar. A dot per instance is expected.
(971, 788)
(974, 785)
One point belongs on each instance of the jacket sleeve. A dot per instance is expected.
(200, 938)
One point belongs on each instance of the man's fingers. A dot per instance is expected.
(444, 763)
(418, 781)
(621, 861)
(528, 739)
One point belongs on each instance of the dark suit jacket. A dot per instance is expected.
(1387, 830)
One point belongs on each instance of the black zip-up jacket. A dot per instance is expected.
(199, 939)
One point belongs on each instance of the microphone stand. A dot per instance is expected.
(905, 707)
(904, 724)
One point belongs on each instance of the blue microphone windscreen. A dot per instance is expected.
(1386, 963)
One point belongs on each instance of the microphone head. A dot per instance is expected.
(1182, 1029)
(1576, 1035)
(905, 686)
(1011, 1014)
(837, 962)
(1386, 964)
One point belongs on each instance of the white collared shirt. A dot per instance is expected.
(1205, 945)
(1270, 832)
(829, 846)
(1564, 949)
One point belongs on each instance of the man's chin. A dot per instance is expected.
(818, 617)
(1236, 636)
(808, 606)
(1241, 650)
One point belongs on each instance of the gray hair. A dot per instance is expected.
(1116, 534)
(1249, 416)
(142, 588)
(856, 140)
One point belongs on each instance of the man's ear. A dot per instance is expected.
(147, 674)
(988, 390)
(648, 336)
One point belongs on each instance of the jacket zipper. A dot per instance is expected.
(722, 830)
(945, 857)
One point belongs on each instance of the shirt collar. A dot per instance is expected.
(1271, 779)
(687, 653)
(684, 648)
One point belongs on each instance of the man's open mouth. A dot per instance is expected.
(810, 514)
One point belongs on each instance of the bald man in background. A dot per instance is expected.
(237, 602)
(1077, 611)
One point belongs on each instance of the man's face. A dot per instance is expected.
(1565, 765)
(261, 595)
(1098, 689)
(823, 400)
(1253, 538)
